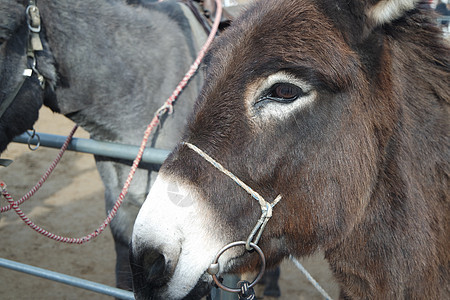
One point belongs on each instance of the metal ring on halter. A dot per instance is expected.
(27, 12)
(32, 135)
(215, 266)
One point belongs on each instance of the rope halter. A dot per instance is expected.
(255, 235)
(266, 207)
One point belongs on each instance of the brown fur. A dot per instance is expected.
(363, 171)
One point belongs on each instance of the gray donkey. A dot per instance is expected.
(108, 66)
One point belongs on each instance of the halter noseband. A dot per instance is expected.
(255, 235)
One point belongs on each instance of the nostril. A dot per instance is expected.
(150, 269)
(154, 265)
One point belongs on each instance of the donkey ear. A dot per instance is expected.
(358, 18)
(385, 11)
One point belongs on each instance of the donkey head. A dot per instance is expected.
(21, 91)
(288, 107)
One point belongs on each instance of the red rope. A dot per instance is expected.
(168, 106)
(46, 174)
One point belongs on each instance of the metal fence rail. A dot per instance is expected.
(114, 150)
(66, 279)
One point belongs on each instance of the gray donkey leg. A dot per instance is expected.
(114, 174)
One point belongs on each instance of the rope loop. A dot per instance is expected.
(247, 292)
(259, 227)
(166, 108)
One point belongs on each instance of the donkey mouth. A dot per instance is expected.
(150, 292)
(201, 289)
(153, 278)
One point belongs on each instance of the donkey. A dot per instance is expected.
(108, 66)
(342, 109)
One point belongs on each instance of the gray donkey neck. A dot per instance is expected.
(115, 60)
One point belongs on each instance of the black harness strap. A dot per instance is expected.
(204, 12)
(6, 103)
(34, 44)
(200, 17)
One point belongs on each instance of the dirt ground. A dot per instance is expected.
(71, 204)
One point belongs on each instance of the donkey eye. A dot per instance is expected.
(279, 95)
(283, 93)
